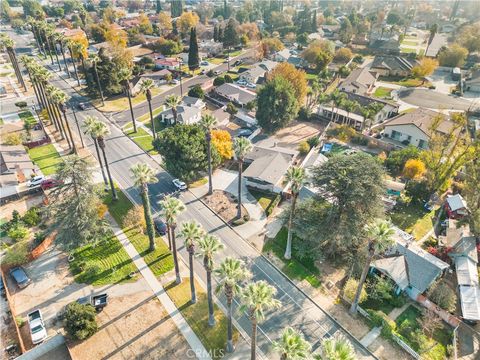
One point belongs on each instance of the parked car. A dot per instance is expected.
(251, 86)
(217, 72)
(35, 181)
(179, 184)
(50, 183)
(204, 63)
(238, 62)
(20, 277)
(175, 81)
(2, 287)
(160, 226)
(242, 82)
(245, 132)
(38, 331)
(82, 106)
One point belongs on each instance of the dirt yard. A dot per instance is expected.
(224, 204)
(292, 135)
(21, 205)
(133, 327)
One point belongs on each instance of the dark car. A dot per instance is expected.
(50, 183)
(160, 226)
(82, 106)
(245, 132)
(20, 277)
(2, 287)
(238, 62)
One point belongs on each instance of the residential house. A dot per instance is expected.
(193, 102)
(388, 65)
(9, 186)
(456, 206)
(130, 23)
(287, 55)
(438, 41)
(360, 81)
(319, 35)
(70, 33)
(15, 160)
(282, 55)
(222, 116)
(253, 75)
(415, 127)
(268, 65)
(159, 77)
(167, 63)
(412, 269)
(267, 167)
(473, 83)
(185, 115)
(385, 46)
(138, 51)
(331, 31)
(236, 94)
(210, 47)
(386, 110)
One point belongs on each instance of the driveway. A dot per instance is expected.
(432, 99)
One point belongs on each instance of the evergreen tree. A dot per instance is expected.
(226, 10)
(174, 28)
(314, 21)
(193, 58)
(220, 34)
(215, 33)
(159, 7)
(176, 8)
(230, 35)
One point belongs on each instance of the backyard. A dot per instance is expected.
(45, 157)
(296, 268)
(382, 92)
(413, 219)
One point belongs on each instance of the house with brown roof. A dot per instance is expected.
(360, 81)
(415, 127)
(389, 65)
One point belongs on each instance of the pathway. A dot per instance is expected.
(160, 293)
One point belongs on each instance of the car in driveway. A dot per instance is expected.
(35, 181)
(50, 183)
(82, 106)
(38, 332)
(20, 277)
(217, 72)
(160, 226)
(179, 184)
(251, 86)
(241, 82)
(245, 132)
(204, 63)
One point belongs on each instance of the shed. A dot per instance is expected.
(466, 270)
(470, 302)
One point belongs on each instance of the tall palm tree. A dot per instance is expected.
(9, 46)
(143, 175)
(337, 347)
(61, 41)
(208, 122)
(231, 273)
(339, 102)
(101, 131)
(172, 207)
(60, 98)
(41, 26)
(80, 51)
(146, 87)
(257, 298)
(296, 177)
(124, 75)
(28, 62)
(349, 106)
(366, 113)
(34, 28)
(172, 102)
(241, 147)
(70, 43)
(292, 345)
(36, 73)
(192, 232)
(208, 246)
(53, 39)
(56, 119)
(52, 104)
(49, 30)
(95, 59)
(335, 97)
(379, 235)
(89, 125)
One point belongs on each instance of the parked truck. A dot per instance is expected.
(37, 327)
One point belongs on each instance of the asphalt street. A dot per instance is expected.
(297, 309)
(435, 100)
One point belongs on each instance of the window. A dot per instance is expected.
(396, 135)
(409, 138)
(422, 144)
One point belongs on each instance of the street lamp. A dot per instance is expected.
(78, 126)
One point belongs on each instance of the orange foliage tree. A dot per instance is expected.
(222, 141)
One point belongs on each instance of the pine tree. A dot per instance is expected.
(159, 7)
(193, 59)
(215, 33)
(230, 35)
(226, 13)
(174, 28)
(314, 21)
(176, 8)
(220, 34)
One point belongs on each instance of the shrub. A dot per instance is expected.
(304, 114)
(442, 295)
(398, 301)
(313, 141)
(228, 78)
(378, 318)
(358, 59)
(273, 205)
(13, 139)
(417, 190)
(350, 289)
(342, 132)
(38, 238)
(304, 147)
(20, 321)
(80, 321)
(16, 254)
(18, 233)
(238, 222)
(197, 92)
(135, 217)
(219, 80)
(381, 289)
(91, 270)
(21, 104)
(32, 217)
(359, 140)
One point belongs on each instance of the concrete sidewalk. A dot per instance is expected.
(157, 288)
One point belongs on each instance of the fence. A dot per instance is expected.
(32, 144)
(44, 245)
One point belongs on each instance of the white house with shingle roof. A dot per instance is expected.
(360, 81)
(235, 94)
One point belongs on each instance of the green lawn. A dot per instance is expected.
(234, 53)
(213, 338)
(382, 92)
(216, 61)
(410, 42)
(146, 116)
(159, 261)
(408, 50)
(436, 346)
(1, 121)
(143, 140)
(45, 157)
(382, 306)
(413, 219)
(112, 263)
(295, 268)
(263, 198)
(159, 124)
(311, 76)
(407, 82)
(198, 183)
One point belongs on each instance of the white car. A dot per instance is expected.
(179, 184)
(242, 82)
(251, 86)
(38, 331)
(37, 180)
(204, 63)
(175, 81)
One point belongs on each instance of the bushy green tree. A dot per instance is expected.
(193, 58)
(184, 151)
(396, 160)
(80, 321)
(277, 105)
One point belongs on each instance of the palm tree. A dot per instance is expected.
(49, 30)
(349, 106)
(60, 98)
(54, 36)
(56, 117)
(146, 87)
(34, 28)
(9, 45)
(296, 177)
(79, 51)
(231, 273)
(208, 246)
(28, 63)
(337, 347)
(172, 102)
(366, 113)
(101, 131)
(61, 41)
(192, 232)
(433, 32)
(143, 175)
(124, 75)
(257, 298)
(70, 44)
(89, 125)
(172, 207)
(95, 59)
(241, 147)
(40, 26)
(335, 97)
(208, 122)
(339, 102)
(292, 345)
(379, 236)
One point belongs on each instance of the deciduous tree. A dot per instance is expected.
(452, 56)
(222, 141)
(414, 169)
(294, 76)
(426, 67)
(187, 21)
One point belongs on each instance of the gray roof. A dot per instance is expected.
(191, 101)
(393, 63)
(268, 65)
(242, 96)
(470, 302)
(285, 53)
(466, 270)
(184, 113)
(15, 157)
(359, 78)
(255, 72)
(396, 268)
(423, 119)
(466, 247)
(267, 165)
(438, 41)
